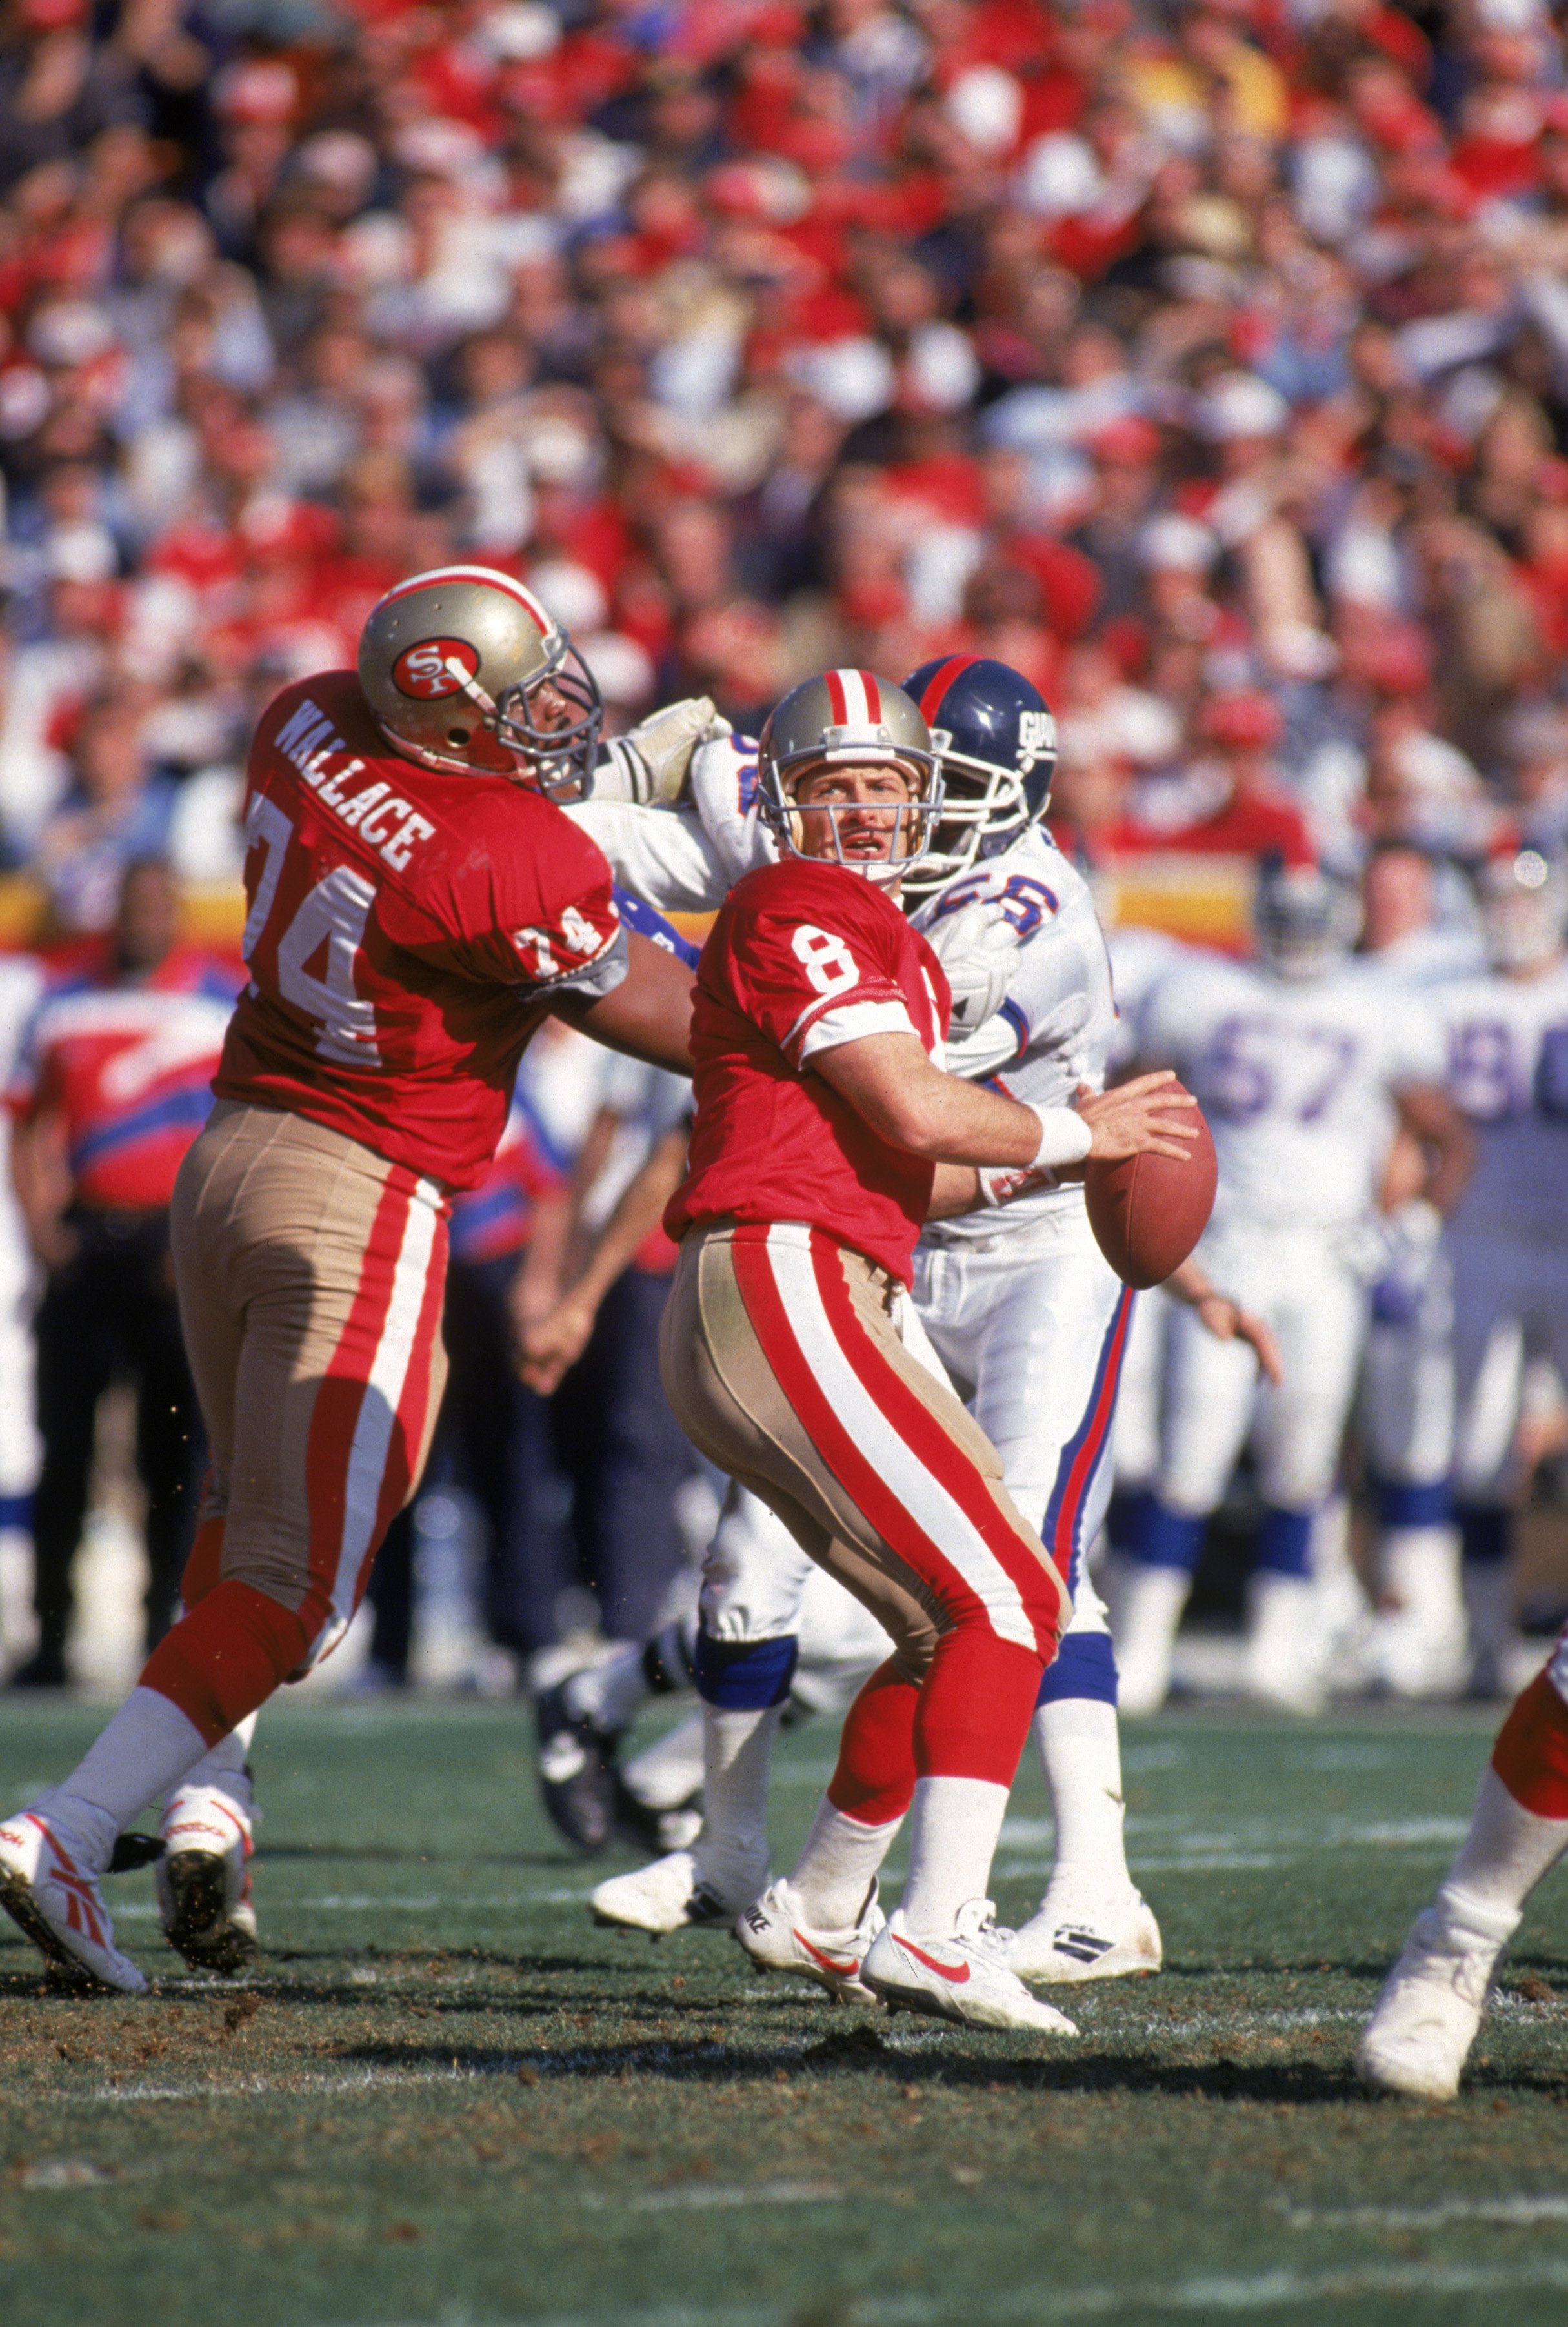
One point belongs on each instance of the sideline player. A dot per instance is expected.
(1301, 1068)
(821, 1113)
(417, 904)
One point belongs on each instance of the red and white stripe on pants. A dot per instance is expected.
(915, 1484)
(374, 1410)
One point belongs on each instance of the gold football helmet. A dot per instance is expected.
(842, 718)
(466, 671)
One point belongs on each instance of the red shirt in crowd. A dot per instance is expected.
(406, 928)
(805, 955)
(125, 1067)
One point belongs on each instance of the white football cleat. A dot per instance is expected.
(49, 1889)
(203, 1879)
(669, 1894)
(1433, 2001)
(1083, 1930)
(775, 1933)
(964, 1975)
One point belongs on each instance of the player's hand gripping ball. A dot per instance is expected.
(1147, 1211)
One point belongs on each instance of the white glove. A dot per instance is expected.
(722, 776)
(650, 766)
(979, 951)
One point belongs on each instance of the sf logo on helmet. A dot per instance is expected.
(422, 670)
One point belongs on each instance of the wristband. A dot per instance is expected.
(1064, 1136)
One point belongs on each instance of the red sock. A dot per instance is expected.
(226, 1657)
(1531, 1754)
(876, 1777)
(976, 1706)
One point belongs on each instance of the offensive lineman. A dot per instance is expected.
(417, 904)
(1303, 1069)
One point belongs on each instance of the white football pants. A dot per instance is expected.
(1510, 1305)
(1302, 1282)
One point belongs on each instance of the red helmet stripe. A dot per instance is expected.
(873, 696)
(838, 698)
(938, 683)
(487, 574)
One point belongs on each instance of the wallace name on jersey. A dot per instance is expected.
(404, 928)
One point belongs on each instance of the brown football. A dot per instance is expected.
(1147, 1212)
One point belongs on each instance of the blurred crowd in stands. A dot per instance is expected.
(1207, 360)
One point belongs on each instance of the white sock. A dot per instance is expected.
(611, 1691)
(1081, 1754)
(224, 1768)
(841, 1861)
(1504, 1855)
(667, 1774)
(737, 1748)
(954, 1827)
(146, 1748)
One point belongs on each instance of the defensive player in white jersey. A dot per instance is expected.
(21, 984)
(1506, 1241)
(1509, 1052)
(1416, 1646)
(1023, 1312)
(1302, 1070)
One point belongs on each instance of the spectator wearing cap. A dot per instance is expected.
(111, 1087)
(118, 809)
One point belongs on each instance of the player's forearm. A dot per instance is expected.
(662, 855)
(890, 1082)
(648, 1015)
(638, 1212)
(955, 1189)
(1446, 1140)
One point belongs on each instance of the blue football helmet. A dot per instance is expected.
(996, 742)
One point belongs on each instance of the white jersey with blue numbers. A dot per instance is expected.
(1297, 1080)
(1057, 1025)
(1507, 1039)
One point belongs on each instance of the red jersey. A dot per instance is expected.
(405, 930)
(126, 1063)
(803, 957)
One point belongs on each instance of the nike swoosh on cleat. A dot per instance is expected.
(844, 1966)
(958, 1974)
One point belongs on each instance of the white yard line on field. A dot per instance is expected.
(1521, 2211)
(1226, 2295)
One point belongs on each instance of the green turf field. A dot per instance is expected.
(448, 2101)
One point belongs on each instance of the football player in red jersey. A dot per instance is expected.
(418, 903)
(823, 1115)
